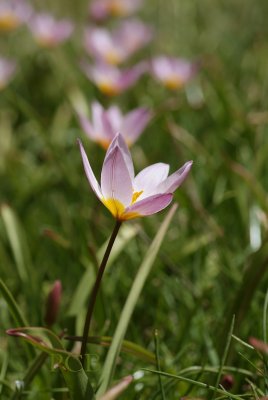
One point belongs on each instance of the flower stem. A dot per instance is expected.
(95, 289)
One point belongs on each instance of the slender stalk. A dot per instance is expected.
(95, 289)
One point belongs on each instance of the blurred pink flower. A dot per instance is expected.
(105, 124)
(13, 13)
(126, 196)
(116, 46)
(111, 80)
(173, 72)
(48, 31)
(101, 9)
(7, 70)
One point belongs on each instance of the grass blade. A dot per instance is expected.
(142, 274)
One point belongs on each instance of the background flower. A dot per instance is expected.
(111, 80)
(49, 32)
(172, 72)
(7, 70)
(13, 13)
(105, 124)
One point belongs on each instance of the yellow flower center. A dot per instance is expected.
(113, 58)
(103, 143)
(173, 82)
(8, 22)
(117, 209)
(117, 8)
(108, 88)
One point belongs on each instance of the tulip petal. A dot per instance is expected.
(86, 126)
(119, 141)
(148, 206)
(134, 123)
(149, 178)
(89, 173)
(175, 180)
(116, 183)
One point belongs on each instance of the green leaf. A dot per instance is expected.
(136, 289)
(127, 347)
(15, 240)
(69, 364)
(13, 307)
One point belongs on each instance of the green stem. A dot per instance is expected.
(95, 290)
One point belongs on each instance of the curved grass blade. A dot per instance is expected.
(15, 240)
(135, 291)
(69, 364)
(14, 309)
(16, 313)
(195, 383)
(127, 347)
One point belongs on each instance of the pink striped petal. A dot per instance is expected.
(119, 141)
(150, 205)
(89, 173)
(116, 182)
(149, 178)
(175, 180)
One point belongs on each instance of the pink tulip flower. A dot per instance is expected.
(101, 9)
(116, 46)
(111, 80)
(13, 13)
(126, 196)
(173, 72)
(105, 124)
(49, 32)
(7, 70)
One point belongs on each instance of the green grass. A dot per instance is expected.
(209, 266)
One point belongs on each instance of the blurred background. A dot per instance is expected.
(212, 263)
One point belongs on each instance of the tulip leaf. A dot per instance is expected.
(134, 294)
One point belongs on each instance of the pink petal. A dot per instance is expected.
(89, 173)
(134, 123)
(86, 126)
(116, 182)
(150, 177)
(175, 180)
(119, 141)
(150, 205)
(115, 117)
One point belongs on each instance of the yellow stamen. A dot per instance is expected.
(135, 196)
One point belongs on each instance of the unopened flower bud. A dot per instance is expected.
(227, 381)
(53, 304)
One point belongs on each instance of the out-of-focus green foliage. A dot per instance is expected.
(212, 263)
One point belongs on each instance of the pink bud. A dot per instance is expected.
(227, 382)
(53, 304)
